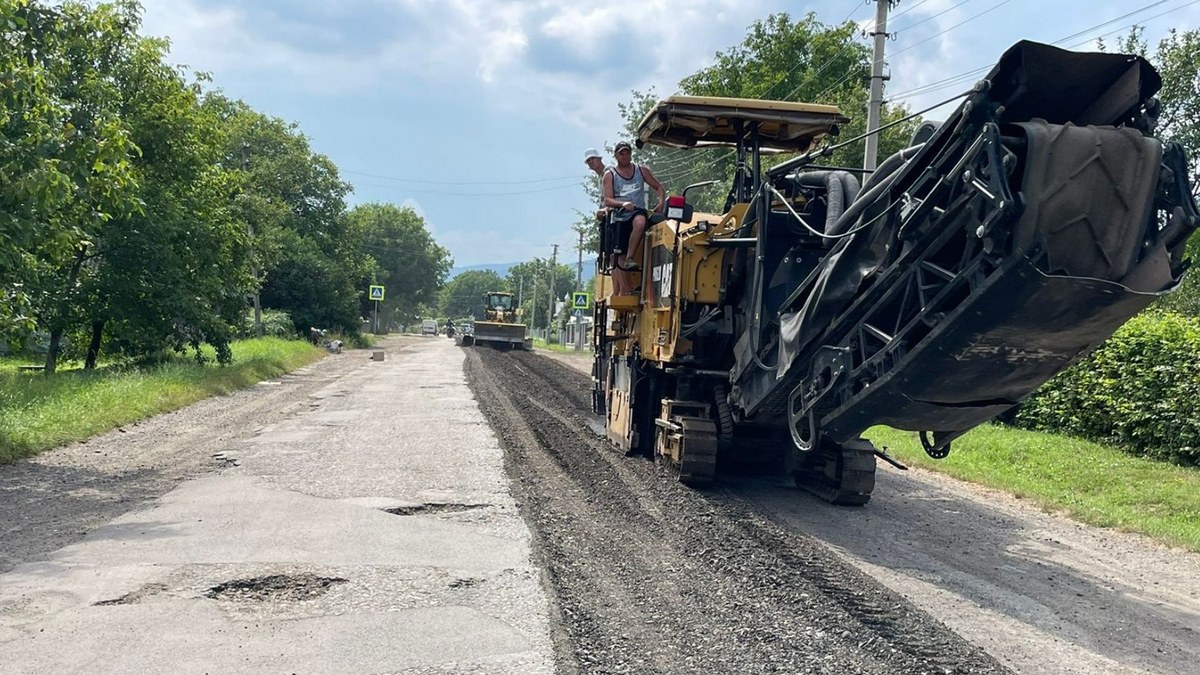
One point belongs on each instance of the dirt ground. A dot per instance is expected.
(1038, 592)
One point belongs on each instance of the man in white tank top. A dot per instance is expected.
(595, 162)
(625, 189)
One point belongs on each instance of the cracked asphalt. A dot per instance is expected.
(454, 511)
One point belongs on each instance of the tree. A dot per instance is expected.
(1179, 121)
(405, 258)
(781, 59)
(82, 55)
(173, 274)
(532, 279)
(309, 256)
(463, 295)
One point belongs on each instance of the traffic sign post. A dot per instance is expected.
(580, 301)
(375, 293)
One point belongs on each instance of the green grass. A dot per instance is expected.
(539, 343)
(1090, 482)
(38, 412)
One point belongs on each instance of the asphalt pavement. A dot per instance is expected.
(371, 530)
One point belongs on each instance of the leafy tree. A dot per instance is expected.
(406, 258)
(532, 281)
(1179, 121)
(1176, 58)
(782, 59)
(32, 179)
(463, 295)
(64, 153)
(173, 274)
(308, 255)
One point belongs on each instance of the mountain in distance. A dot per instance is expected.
(498, 268)
(589, 268)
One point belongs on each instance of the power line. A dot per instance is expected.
(766, 94)
(934, 16)
(460, 182)
(844, 78)
(913, 6)
(965, 21)
(1111, 21)
(850, 74)
(954, 80)
(1127, 26)
(471, 194)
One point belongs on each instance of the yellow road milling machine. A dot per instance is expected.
(953, 281)
(501, 326)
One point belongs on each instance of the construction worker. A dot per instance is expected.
(625, 189)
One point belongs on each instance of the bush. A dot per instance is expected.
(1140, 391)
(275, 323)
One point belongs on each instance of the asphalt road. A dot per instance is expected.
(1038, 592)
(651, 577)
(454, 511)
(350, 517)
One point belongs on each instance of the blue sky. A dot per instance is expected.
(477, 112)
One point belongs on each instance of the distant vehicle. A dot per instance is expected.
(429, 327)
(501, 327)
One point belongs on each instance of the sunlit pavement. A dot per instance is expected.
(372, 533)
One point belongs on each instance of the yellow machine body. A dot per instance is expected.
(501, 326)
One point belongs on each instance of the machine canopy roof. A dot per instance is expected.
(699, 121)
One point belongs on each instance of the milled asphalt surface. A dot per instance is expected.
(370, 531)
(1041, 593)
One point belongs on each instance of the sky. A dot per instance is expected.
(477, 113)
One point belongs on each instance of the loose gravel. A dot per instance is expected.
(651, 577)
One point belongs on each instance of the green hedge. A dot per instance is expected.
(275, 323)
(1140, 391)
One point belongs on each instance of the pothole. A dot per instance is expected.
(465, 583)
(133, 597)
(225, 459)
(276, 587)
(432, 508)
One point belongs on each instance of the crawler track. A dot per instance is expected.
(650, 576)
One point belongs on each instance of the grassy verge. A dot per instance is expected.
(1092, 483)
(539, 343)
(39, 412)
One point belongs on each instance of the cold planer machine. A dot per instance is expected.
(501, 326)
(962, 274)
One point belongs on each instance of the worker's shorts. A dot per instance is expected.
(622, 227)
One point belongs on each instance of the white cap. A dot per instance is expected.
(590, 153)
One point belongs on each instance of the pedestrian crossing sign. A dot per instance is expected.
(581, 300)
(376, 293)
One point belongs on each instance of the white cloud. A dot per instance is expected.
(485, 42)
(410, 203)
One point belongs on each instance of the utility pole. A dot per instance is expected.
(874, 110)
(533, 302)
(577, 314)
(258, 329)
(550, 309)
